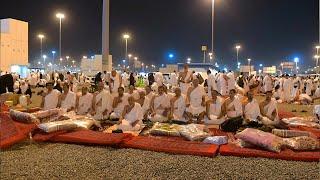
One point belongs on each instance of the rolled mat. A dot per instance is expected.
(314, 131)
(91, 138)
(171, 146)
(10, 134)
(287, 154)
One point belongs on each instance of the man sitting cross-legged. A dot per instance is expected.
(215, 109)
(160, 106)
(178, 107)
(119, 103)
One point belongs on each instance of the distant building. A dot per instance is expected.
(92, 65)
(13, 46)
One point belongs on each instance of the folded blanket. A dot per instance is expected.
(303, 143)
(289, 133)
(23, 117)
(163, 129)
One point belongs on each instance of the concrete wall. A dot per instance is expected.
(13, 43)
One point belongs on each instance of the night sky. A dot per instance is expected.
(268, 30)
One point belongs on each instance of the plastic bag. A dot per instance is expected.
(193, 133)
(289, 133)
(261, 139)
(300, 121)
(23, 117)
(47, 114)
(163, 129)
(66, 125)
(218, 140)
(302, 143)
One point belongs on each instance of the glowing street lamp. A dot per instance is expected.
(296, 60)
(60, 16)
(41, 36)
(249, 64)
(189, 60)
(317, 59)
(317, 48)
(84, 57)
(44, 59)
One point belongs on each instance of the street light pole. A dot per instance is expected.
(249, 64)
(126, 37)
(41, 36)
(212, 28)
(60, 16)
(238, 49)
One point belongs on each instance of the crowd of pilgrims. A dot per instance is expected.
(184, 97)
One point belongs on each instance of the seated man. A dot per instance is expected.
(118, 104)
(196, 102)
(101, 103)
(269, 110)
(84, 102)
(131, 118)
(134, 93)
(149, 93)
(51, 98)
(233, 105)
(68, 99)
(215, 109)
(178, 106)
(252, 115)
(144, 103)
(160, 106)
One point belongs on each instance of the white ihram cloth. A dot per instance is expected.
(146, 105)
(231, 81)
(223, 85)
(234, 109)
(135, 95)
(51, 100)
(309, 87)
(185, 86)
(69, 101)
(164, 102)
(134, 115)
(195, 99)
(267, 83)
(115, 84)
(179, 107)
(252, 110)
(173, 79)
(117, 111)
(158, 77)
(278, 95)
(214, 113)
(211, 84)
(269, 109)
(317, 93)
(287, 87)
(102, 102)
(85, 104)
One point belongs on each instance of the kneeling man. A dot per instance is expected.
(131, 118)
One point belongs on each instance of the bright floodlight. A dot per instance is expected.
(41, 36)
(210, 54)
(129, 55)
(249, 60)
(84, 57)
(44, 56)
(238, 47)
(53, 52)
(260, 65)
(317, 47)
(67, 57)
(171, 55)
(135, 58)
(316, 56)
(126, 36)
(296, 59)
(60, 15)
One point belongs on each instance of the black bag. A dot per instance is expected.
(232, 125)
(201, 80)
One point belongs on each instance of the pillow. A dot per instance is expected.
(302, 143)
(193, 133)
(23, 117)
(289, 133)
(261, 139)
(163, 129)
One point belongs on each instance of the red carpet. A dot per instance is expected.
(171, 146)
(233, 150)
(284, 114)
(43, 137)
(90, 137)
(10, 134)
(25, 128)
(314, 131)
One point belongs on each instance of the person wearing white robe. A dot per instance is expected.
(134, 93)
(287, 87)
(131, 118)
(178, 106)
(84, 102)
(252, 110)
(196, 102)
(145, 103)
(278, 94)
(269, 110)
(309, 86)
(119, 103)
(267, 83)
(211, 81)
(160, 106)
(68, 99)
(215, 109)
(149, 93)
(231, 81)
(317, 92)
(158, 77)
(173, 79)
(125, 79)
(102, 105)
(115, 82)
(233, 105)
(51, 98)
(185, 79)
(223, 84)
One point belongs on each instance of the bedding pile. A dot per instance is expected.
(163, 129)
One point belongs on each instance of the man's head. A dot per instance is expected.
(84, 90)
(195, 82)
(214, 94)
(113, 73)
(131, 100)
(268, 95)
(142, 94)
(131, 88)
(232, 93)
(49, 86)
(100, 86)
(250, 95)
(185, 67)
(177, 91)
(120, 91)
(208, 72)
(160, 90)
